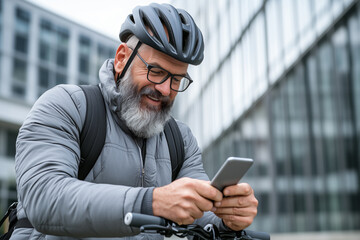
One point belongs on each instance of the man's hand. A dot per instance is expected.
(238, 208)
(185, 200)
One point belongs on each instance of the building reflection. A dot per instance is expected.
(280, 83)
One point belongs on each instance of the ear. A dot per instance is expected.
(122, 55)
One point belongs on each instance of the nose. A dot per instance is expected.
(164, 88)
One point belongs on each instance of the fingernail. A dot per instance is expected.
(226, 192)
(217, 204)
(213, 209)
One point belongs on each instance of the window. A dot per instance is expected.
(354, 32)
(304, 15)
(289, 32)
(343, 92)
(21, 42)
(103, 53)
(53, 53)
(261, 60)
(84, 55)
(84, 60)
(237, 79)
(11, 136)
(216, 103)
(274, 44)
(224, 30)
(19, 77)
(248, 69)
(328, 108)
(60, 78)
(298, 127)
(22, 30)
(235, 28)
(323, 14)
(44, 78)
(53, 44)
(84, 64)
(61, 58)
(21, 38)
(226, 95)
(279, 131)
(48, 79)
(288, 23)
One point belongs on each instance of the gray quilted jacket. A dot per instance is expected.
(59, 205)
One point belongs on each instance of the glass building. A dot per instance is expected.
(38, 50)
(280, 83)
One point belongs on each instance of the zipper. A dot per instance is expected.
(142, 165)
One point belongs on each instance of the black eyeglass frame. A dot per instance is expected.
(149, 66)
(169, 74)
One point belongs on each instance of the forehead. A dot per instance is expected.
(153, 56)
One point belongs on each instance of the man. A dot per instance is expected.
(133, 171)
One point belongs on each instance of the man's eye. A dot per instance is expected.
(177, 80)
(156, 71)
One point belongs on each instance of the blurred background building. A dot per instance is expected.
(280, 83)
(38, 50)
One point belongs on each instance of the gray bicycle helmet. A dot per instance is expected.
(147, 23)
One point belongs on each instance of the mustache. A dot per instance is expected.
(165, 100)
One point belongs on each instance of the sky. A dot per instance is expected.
(104, 16)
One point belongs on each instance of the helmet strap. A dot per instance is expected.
(127, 65)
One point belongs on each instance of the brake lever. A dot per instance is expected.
(167, 231)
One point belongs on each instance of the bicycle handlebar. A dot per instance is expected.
(257, 235)
(138, 220)
(154, 224)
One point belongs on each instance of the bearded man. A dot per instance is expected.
(133, 171)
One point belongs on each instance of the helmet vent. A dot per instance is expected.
(132, 18)
(151, 30)
(182, 19)
(186, 40)
(169, 31)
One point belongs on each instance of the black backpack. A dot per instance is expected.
(92, 140)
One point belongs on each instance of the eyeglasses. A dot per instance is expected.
(158, 75)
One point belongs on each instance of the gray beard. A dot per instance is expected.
(143, 122)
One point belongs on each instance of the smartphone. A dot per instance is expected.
(230, 173)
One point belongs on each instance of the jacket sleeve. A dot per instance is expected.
(47, 159)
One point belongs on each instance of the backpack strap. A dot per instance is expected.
(93, 133)
(11, 209)
(176, 146)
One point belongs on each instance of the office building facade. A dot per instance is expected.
(280, 83)
(38, 50)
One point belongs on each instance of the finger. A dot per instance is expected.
(204, 189)
(237, 223)
(240, 201)
(241, 189)
(244, 212)
(183, 218)
(204, 204)
(189, 208)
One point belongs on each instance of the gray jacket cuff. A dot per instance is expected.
(146, 206)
